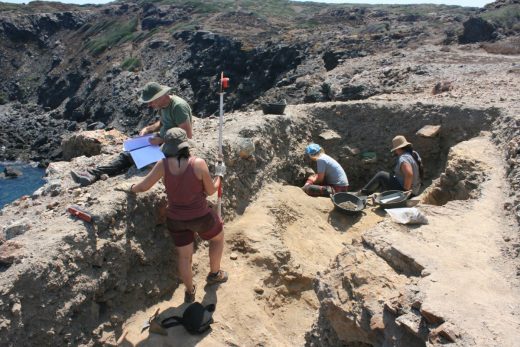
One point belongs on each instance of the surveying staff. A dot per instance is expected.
(188, 182)
(174, 112)
(331, 178)
(408, 171)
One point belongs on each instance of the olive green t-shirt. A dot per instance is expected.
(176, 113)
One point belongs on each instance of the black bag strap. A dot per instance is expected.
(172, 321)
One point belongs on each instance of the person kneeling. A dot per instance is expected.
(330, 179)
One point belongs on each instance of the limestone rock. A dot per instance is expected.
(90, 143)
(16, 228)
(429, 131)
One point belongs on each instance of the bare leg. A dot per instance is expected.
(185, 260)
(216, 248)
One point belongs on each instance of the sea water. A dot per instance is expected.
(13, 188)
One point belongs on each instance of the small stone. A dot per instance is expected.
(430, 315)
(447, 331)
(259, 290)
(16, 310)
(429, 131)
(233, 256)
(411, 322)
(16, 228)
(377, 323)
(116, 318)
(425, 273)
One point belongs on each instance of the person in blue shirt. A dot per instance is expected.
(330, 177)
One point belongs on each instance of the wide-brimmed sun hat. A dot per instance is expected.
(152, 91)
(313, 149)
(175, 139)
(399, 142)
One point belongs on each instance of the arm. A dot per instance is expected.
(186, 126)
(319, 178)
(182, 117)
(150, 179)
(407, 171)
(202, 172)
(150, 128)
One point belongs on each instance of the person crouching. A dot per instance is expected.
(330, 179)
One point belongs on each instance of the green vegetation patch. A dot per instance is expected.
(506, 17)
(108, 34)
(131, 64)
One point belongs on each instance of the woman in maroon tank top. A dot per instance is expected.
(188, 182)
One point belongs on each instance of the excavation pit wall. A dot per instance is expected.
(92, 277)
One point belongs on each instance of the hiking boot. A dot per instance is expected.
(83, 178)
(189, 297)
(220, 276)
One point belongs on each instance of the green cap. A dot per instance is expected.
(174, 140)
(152, 91)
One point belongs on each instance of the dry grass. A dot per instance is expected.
(508, 46)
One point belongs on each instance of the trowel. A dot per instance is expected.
(154, 325)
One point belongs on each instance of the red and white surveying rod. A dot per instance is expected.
(224, 83)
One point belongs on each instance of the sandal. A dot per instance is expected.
(220, 276)
(189, 297)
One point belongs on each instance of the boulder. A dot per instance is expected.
(16, 228)
(477, 29)
(90, 143)
(11, 172)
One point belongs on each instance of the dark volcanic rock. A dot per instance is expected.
(477, 29)
(58, 88)
(251, 72)
(11, 172)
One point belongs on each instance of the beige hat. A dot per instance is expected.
(399, 142)
(152, 91)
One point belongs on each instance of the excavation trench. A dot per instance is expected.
(282, 238)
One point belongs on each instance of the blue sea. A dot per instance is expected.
(13, 188)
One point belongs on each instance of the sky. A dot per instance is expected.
(473, 3)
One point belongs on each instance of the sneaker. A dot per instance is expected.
(190, 297)
(219, 277)
(83, 178)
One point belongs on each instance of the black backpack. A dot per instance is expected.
(196, 318)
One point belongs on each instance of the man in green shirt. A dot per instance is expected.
(173, 111)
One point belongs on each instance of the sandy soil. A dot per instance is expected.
(285, 221)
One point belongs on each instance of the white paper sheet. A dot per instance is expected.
(137, 142)
(146, 155)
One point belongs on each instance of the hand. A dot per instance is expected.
(125, 187)
(220, 169)
(144, 131)
(156, 140)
